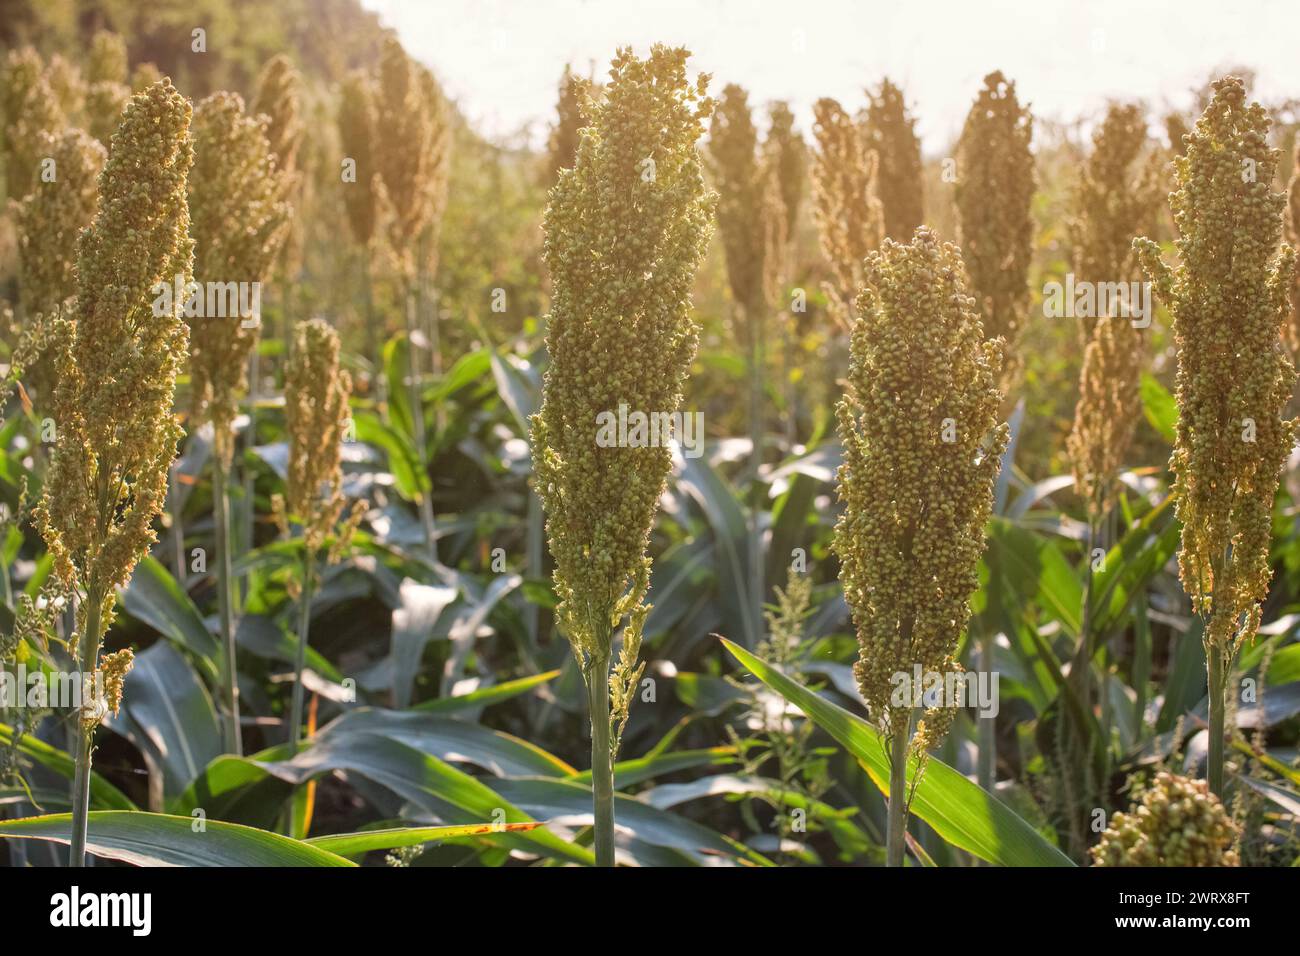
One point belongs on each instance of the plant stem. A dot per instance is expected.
(756, 357)
(415, 399)
(304, 628)
(178, 529)
(602, 772)
(1218, 699)
(536, 530)
(247, 485)
(896, 828)
(986, 768)
(226, 604)
(87, 664)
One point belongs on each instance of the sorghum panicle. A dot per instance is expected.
(850, 218)
(1291, 330)
(626, 229)
(107, 62)
(1178, 822)
(890, 133)
(787, 155)
(239, 223)
(1234, 377)
(1109, 207)
(29, 107)
(741, 182)
(994, 189)
(356, 136)
(915, 503)
(117, 364)
(316, 393)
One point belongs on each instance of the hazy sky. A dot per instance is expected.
(502, 59)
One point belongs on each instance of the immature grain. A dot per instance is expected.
(1228, 298)
(357, 137)
(626, 229)
(1291, 234)
(993, 193)
(850, 218)
(890, 133)
(1178, 822)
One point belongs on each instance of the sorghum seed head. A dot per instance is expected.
(787, 154)
(1234, 377)
(356, 136)
(1177, 823)
(239, 224)
(623, 242)
(740, 180)
(890, 133)
(29, 107)
(850, 218)
(994, 189)
(117, 364)
(915, 503)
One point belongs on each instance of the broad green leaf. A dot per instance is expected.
(154, 597)
(485, 696)
(959, 811)
(1159, 406)
(102, 793)
(158, 839)
(352, 844)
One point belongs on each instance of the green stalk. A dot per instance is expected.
(87, 663)
(178, 528)
(1218, 700)
(986, 767)
(602, 771)
(416, 400)
(536, 535)
(250, 438)
(304, 627)
(226, 603)
(896, 822)
(756, 356)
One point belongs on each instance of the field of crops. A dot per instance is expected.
(708, 482)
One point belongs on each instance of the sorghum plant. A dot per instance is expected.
(117, 368)
(107, 91)
(30, 108)
(786, 159)
(751, 216)
(850, 218)
(890, 133)
(316, 393)
(412, 163)
(1177, 823)
(1228, 298)
(239, 222)
(626, 229)
(921, 451)
(995, 185)
(360, 198)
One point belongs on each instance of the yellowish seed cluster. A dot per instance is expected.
(787, 157)
(52, 216)
(239, 223)
(626, 229)
(740, 179)
(412, 121)
(107, 92)
(28, 107)
(921, 450)
(1291, 331)
(890, 133)
(1228, 298)
(1177, 823)
(850, 218)
(994, 189)
(356, 136)
(117, 364)
(1109, 207)
(316, 393)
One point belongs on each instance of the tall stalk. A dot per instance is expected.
(896, 819)
(88, 664)
(756, 570)
(602, 771)
(987, 767)
(232, 733)
(415, 399)
(300, 660)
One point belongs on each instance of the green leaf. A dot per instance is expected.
(158, 839)
(154, 597)
(1033, 568)
(1159, 406)
(102, 793)
(485, 696)
(352, 844)
(959, 811)
(409, 478)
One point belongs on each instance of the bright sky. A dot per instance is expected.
(502, 59)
